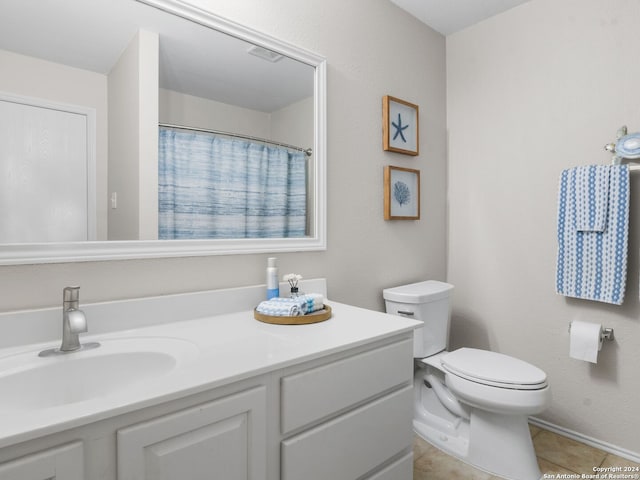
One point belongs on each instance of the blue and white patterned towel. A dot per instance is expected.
(593, 264)
(281, 307)
(312, 302)
(291, 307)
(590, 196)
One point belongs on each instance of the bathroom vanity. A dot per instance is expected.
(200, 389)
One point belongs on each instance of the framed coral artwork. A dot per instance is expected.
(401, 193)
(399, 126)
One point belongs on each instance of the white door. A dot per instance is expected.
(45, 173)
(223, 439)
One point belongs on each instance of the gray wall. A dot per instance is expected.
(538, 89)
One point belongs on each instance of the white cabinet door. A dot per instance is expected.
(61, 463)
(222, 439)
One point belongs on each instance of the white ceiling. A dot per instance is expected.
(450, 16)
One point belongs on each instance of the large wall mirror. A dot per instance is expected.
(103, 101)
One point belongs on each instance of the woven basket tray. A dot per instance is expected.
(314, 317)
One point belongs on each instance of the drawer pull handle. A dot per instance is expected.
(404, 312)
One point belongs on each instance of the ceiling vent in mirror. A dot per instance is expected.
(264, 53)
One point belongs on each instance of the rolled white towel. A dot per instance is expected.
(282, 307)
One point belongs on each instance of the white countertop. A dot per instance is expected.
(229, 347)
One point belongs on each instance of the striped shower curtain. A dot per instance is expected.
(217, 187)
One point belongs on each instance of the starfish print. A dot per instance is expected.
(399, 129)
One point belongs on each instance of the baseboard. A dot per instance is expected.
(593, 442)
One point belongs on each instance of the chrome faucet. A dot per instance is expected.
(74, 322)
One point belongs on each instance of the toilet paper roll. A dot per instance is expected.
(585, 341)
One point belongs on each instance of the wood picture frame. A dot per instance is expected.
(400, 124)
(401, 193)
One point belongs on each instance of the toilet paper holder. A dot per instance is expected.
(607, 333)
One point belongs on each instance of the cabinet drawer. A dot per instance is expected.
(353, 444)
(399, 470)
(317, 393)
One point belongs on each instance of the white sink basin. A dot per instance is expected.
(29, 382)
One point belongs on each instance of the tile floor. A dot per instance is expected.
(556, 455)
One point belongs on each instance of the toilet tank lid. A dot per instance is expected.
(420, 292)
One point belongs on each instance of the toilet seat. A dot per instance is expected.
(493, 369)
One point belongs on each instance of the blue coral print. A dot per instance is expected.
(401, 193)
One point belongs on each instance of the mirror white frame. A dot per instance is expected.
(35, 253)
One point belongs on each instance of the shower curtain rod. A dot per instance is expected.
(307, 151)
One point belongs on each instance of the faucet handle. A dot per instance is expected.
(71, 294)
(77, 321)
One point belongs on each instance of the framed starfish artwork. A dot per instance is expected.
(401, 193)
(399, 126)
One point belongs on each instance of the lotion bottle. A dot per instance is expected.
(273, 286)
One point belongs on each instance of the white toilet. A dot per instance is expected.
(473, 404)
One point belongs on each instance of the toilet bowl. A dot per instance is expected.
(473, 404)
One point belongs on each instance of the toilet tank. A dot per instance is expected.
(427, 302)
